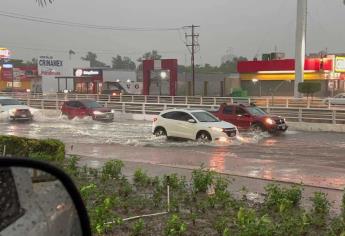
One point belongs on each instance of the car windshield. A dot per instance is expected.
(203, 116)
(9, 102)
(256, 111)
(92, 104)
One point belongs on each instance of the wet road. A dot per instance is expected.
(313, 158)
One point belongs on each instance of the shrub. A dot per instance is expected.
(175, 226)
(202, 180)
(309, 88)
(282, 198)
(112, 169)
(321, 207)
(141, 178)
(249, 224)
(45, 149)
(138, 228)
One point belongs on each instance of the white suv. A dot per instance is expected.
(192, 124)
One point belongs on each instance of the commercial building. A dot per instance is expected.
(21, 78)
(276, 76)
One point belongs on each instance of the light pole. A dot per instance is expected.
(163, 76)
(259, 82)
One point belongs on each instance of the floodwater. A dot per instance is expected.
(312, 158)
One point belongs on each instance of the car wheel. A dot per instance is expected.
(256, 128)
(204, 137)
(160, 131)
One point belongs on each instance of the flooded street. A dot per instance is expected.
(313, 158)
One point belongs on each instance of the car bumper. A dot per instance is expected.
(224, 136)
(278, 128)
(22, 117)
(104, 117)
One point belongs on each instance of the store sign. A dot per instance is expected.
(133, 87)
(15, 84)
(87, 72)
(50, 66)
(340, 64)
(4, 53)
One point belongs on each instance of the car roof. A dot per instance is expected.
(3, 97)
(81, 100)
(184, 110)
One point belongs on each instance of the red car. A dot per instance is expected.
(84, 108)
(250, 117)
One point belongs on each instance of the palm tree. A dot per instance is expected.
(43, 3)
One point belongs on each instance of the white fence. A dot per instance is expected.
(299, 110)
(320, 115)
(266, 102)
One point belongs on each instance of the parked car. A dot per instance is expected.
(338, 99)
(14, 109)
(192, 124)
(249, 116)
(86, 108)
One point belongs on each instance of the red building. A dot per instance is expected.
(277, 76)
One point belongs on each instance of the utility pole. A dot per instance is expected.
(192, 46)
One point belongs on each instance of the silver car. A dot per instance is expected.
(338, 99)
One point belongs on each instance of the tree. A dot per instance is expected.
(92, 58)
(230, 66)
(309, 88)
(153, 55)
(122, 63)
(18, 62)
(43, 3)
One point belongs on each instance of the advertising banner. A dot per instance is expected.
(339, 64)
(50, 66)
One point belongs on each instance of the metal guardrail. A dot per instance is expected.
(315, 115)
(196, 100)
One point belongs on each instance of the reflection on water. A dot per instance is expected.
(217, 160)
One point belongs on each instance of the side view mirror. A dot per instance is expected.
(39, 199)
(191, 121)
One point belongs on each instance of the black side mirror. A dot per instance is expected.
(39, 199)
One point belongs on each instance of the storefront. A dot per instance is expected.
(264, 78)
(22, 78)
(88, 80)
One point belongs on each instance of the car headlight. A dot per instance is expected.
(97, 113)
(270, 121)
(217, 129)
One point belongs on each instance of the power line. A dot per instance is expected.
(193, 45)
(22, 17)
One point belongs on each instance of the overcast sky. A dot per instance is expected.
(243, 27)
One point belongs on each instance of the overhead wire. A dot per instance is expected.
(22, 17)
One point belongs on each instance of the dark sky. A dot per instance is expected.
(242, 27)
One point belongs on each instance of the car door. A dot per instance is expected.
(169, 123)
(228, 114)
(243, 118)
(80, 110)
(184, 128)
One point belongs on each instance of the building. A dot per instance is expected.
(272, 76)
(99, 80)
(21, 78)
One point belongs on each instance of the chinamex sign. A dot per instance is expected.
(48, 66)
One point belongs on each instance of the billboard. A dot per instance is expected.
(4, 53)
(339, 64)
(50, 66)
